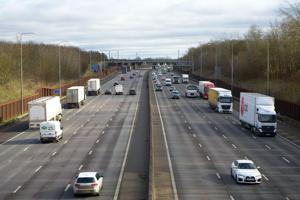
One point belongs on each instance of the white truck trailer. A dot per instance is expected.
(44, 109)
(185, 78)
(94, 86)
(119, 89)
(220, 99)
(75, 96)
(257, 112)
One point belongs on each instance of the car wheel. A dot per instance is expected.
(236, 179)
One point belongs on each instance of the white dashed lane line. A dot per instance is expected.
(265, 177)
(97, 141)
(224, 136)
(17, 189)
(194, 135)
(285, 159)
(233, 146)
(200, 145)
(90, 152)
(268, 147)
(80, 167)
(26, 148)
(53, 154)
(218, 175)
(207, 157)
(253, 137)
(67, 187)
(38, 169)
(231, 197)
(189, 128)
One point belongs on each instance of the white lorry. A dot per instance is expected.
(257, 112)
(94, 86)
(220, 99)
(119, 89)
(191, 91)
(75, 96)
(51, 131)
(185, 78)
(44, 109)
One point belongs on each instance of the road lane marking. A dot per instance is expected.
(216, 128)
(224, 136)
(18, 188)
(265, 177)
(218, 175)
(106, 125)
(117, 191)
(253, 137)
(200, 145)
(75, 132)
(231, 197)
(66, 141)
(110, 119)
(175, 193)
(246, 157)
(185, 121)
(233, 122)
(80, 167)
(287, 198)
(102, 132)
(90, 152)
(13, 138)
(285, 159)
(97, 141)
(194, 135)
(82, 126)
(67, 119)
(268, 147)
(67, 187)
(53, 154)
(88, 120)
(26, 148)
(233, 146)
(207, 157)
(38, 169)
(189, 128)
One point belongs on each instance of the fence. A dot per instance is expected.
(283, 107)
(13, 108)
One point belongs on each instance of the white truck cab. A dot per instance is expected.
(51, 131)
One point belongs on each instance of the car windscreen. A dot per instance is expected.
(86, 180)
(267, 118)
(192, 87)
(225, 99)
(246, 166)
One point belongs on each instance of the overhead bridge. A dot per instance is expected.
(140, 63)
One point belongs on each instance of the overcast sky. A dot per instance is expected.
(152, 28)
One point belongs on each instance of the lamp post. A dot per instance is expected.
(21, 69)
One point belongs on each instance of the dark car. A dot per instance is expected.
(131, 77)
(108, 91)
(116, 83)
(132, 91)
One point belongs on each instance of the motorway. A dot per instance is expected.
(97, 137)
(202, 144)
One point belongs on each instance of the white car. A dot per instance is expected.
(88, 183)
(245, 171)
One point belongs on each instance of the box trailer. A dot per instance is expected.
(44, 109)
(75, 96)
(257, 112)
(119, 89)
(204, 86)
(220, 99)
(94, 86)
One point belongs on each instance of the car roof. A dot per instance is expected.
(244, 161)
(86, 174)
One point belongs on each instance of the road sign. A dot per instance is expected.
(56, 91)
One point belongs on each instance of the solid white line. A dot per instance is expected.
(224, 136)
(80, 167)
(168, 152)
(207, 157)
(97, 141)
(67, 187)
(218, 175)
(53, 154)
(18, 188)
(265, 177)
(231, 197)
(268, 147)
(38, 169)
(285, 159)
(13, 138)
(90, 152)
(117, 191)
(233, 146)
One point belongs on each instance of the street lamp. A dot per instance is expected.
(21, 69)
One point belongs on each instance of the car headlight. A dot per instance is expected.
(240, 176)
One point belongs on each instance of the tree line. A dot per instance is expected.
(274, 53)
(41, 62)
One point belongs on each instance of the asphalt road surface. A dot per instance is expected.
(96, 138)
(203, 144)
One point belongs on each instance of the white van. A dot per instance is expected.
(50, 131)
(168, 82)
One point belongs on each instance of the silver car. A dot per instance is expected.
(88, 183)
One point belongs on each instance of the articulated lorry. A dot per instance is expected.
(44, 109)
(75, 96)
(204, 86)
(220, 100)
(94, 86)
(257, 112)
